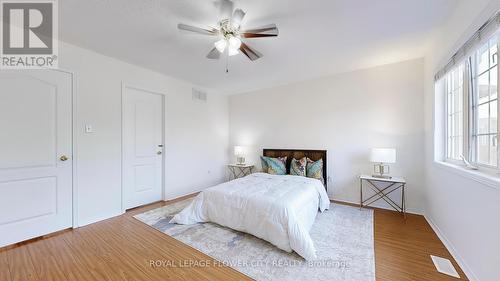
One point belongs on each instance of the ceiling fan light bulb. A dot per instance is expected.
(221, 45)
(234, 42)
(232, 51)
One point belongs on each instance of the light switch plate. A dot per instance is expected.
(88, 129)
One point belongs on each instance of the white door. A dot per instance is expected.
(35, 154)
(142, 147)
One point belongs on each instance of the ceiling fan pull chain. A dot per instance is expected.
(227, 62)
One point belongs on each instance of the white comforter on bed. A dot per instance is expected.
(277, 208)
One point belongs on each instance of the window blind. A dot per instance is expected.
(487, 30)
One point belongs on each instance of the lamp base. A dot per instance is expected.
(380, 171)
(240, 160)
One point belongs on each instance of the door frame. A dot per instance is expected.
(74, 185)
(125, 86)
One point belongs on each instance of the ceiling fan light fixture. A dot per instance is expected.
(230, 36)
(221, 45)
(234, 42)
(232, 51)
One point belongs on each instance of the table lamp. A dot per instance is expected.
(239, 152)
(382, 156)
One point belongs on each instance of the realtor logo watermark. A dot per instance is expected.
(29, 34)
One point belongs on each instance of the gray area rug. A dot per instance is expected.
(343, 237)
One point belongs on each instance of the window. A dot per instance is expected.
(454, 88)
(485, 105)
(472, 108)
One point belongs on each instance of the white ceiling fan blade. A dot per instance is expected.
(214, 54)
(238, 16)
(196, 29)
(226, 8)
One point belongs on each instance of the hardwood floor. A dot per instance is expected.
(403, 249)
(122, 248)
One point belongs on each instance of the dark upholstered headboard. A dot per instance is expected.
(298, 154)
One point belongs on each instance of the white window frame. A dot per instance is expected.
(474, 112)
(447, 125)
(470, 114)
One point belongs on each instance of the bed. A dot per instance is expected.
(277, 208)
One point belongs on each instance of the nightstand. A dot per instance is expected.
(391, 185)
(239, 171)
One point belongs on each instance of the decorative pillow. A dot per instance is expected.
(274, 166)
(315, 169)
(263, 163)
(298, 167)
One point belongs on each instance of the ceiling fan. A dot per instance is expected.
(228, 31)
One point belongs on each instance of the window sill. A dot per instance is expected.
(482, 177)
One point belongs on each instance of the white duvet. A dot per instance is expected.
(277, 208)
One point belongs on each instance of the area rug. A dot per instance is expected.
(343, 237)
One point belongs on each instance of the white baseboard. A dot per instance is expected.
(84, 222)
(409, 211)
(447, 243)
(180, 196)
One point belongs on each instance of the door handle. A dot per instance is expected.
(64, 158)
(159, 152)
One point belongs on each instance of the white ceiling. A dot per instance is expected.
(317, 38)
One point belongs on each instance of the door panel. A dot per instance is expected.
(142, 147)
(35, 131)
(145, 177)
(147, 121)
(28, 150)
(41, 202)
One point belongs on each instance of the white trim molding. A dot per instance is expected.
(487, 179)
(74, 125)
(377, 205)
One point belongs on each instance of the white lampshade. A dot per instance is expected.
(239, 150)
(234, 42)
(233, 52)
(383, 155)
(221, 45)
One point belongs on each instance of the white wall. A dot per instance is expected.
(346, 114)
(196, 132)
(465, 213)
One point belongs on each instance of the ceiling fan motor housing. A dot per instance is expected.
(228, 30)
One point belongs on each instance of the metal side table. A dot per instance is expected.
(393, 184)
(239, 171)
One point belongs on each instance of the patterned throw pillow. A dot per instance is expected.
(298, 167)
(315, 169)
(263, 163)
(275, 166)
